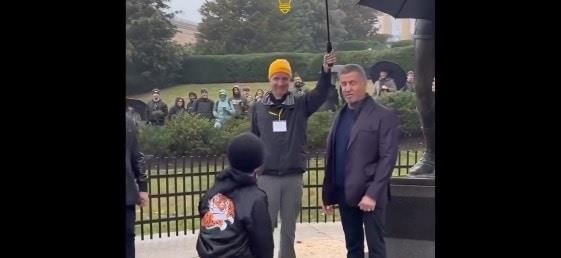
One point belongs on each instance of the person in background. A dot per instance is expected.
(259, 95)
(234, 212)
(246, 91)
(177, 109)
(410, 83)
(223, 109)
(248, 100)
(433, 84)
(384, 84)
(135, 116)
(136, 187)
(192, 98)
(157, 109)
(299, 87)
(238, 100)
(203, 106)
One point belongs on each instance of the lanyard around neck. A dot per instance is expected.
(279, 114)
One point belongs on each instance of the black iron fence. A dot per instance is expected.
(176, 185)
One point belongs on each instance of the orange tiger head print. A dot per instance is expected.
(221, 209)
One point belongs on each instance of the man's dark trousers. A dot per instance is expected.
(129, 232)
(353, 219)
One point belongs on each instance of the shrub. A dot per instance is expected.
(352, 45)
(402, 43)
(357, 45)
(404, 104)
(153, 140)
(189, 135)
(319, 125)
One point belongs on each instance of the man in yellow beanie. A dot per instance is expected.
(280, 119)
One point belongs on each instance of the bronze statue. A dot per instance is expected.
(424, 73)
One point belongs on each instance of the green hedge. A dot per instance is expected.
(404, 104)
(403, 43)
(192, 135)
(254, 67)
(189, 135)
(357, 45)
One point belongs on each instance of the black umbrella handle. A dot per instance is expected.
(329, 49)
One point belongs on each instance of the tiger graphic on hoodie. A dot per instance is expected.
(221, 210)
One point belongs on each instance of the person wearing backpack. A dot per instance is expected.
(223, 109)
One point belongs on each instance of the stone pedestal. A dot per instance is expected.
(410, 219)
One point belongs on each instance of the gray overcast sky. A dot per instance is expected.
(190, 9)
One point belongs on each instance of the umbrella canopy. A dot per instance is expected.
(394, 71)
(415, 9)
(139, 106)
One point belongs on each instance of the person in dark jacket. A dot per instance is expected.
(234, 212)
(136, 183)
(361, 154)
(157, 109)
(280, 119)
(192, 98)
(203, 106)
(177, 109)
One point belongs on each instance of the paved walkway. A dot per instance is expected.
(313, 240)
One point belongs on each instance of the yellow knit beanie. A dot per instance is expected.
(280, 66)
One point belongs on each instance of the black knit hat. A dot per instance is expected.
(245, 152)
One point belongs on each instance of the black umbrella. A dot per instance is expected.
(139, 106)
(415, 9)
(394, 71)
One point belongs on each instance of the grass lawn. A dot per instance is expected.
(175, 193)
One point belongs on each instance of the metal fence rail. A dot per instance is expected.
(176, 184)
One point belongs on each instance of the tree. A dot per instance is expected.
(359, 21)
(153, 60)
(244, 26)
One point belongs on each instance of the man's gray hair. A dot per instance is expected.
(354, 68)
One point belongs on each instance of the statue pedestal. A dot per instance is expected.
(410, 218)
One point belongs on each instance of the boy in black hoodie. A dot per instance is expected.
(234, 212)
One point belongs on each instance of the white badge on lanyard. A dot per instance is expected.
(279, 126)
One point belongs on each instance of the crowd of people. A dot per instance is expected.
(387, 84)
(226, 107)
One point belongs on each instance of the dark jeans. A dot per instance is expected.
(129, 232)
(353, 220)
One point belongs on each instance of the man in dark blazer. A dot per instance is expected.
(361, 154)
(136, 184)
